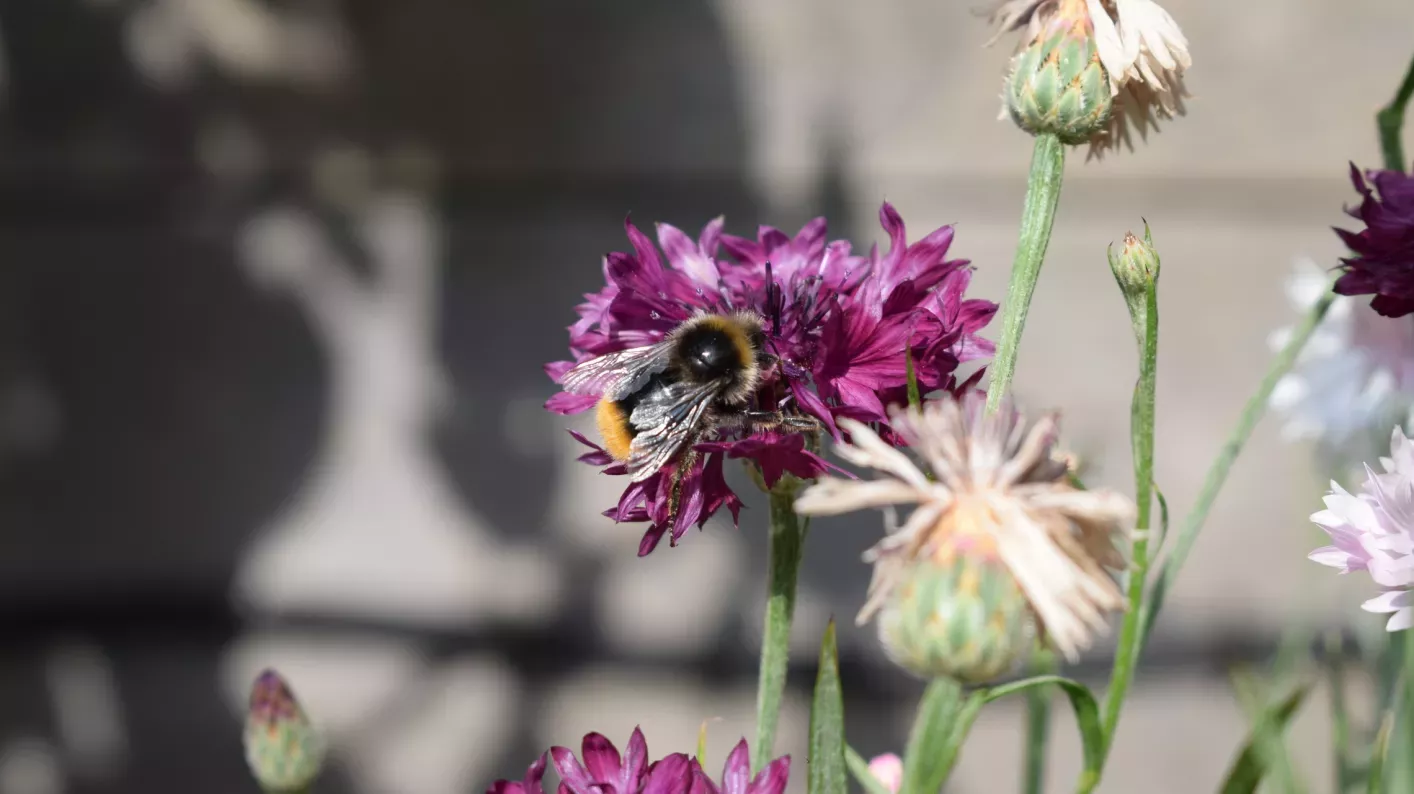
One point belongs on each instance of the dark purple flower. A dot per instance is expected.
(737, 779)
(840, 327)
(601, 769)
(1383, 264)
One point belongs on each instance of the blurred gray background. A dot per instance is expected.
(279, 277)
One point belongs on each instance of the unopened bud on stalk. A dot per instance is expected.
(1057, 84)
(957, 613)
(1136, 270)
(282, 748)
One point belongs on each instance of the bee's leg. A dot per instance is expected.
(777, 420)
(684, 465)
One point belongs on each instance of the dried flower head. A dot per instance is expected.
(283, 750)
(601, 769)
(1353, 380)
(997, 525)
(838, 327)
(1142, 50)
(1383, 261)
(1373, 531)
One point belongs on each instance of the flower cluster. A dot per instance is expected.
(841, 328)
(998, 537)
(1373, 531)
(1383, 261)
(601, 769)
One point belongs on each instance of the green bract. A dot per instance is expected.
(1058, 87)
(965, 619)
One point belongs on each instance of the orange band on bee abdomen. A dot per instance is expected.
(614, 429)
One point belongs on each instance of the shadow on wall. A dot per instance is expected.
(187, 403)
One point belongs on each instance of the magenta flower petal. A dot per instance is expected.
(672, 775)
(772, 779)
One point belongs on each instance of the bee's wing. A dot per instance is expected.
(664, 425)
(614, 376)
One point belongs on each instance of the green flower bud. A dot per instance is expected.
(964, 618)
(1136, 270)
(281, 747)
(1058, 86)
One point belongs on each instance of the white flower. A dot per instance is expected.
(1354, 378)
(999, 492)
(1373, 531)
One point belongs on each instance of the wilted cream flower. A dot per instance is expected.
(1141, 47)
(999, 502)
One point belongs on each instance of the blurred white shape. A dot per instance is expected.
(643, 599)
(379, 529)
(244, 38)
(584, 493)
(444, 736)
(341, 681)
(87, 709)
(30, 766)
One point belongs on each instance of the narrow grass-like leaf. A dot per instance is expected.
(915, 399)
(1087, 718)
(1375, 782)
(827, 748)
(1250, 765)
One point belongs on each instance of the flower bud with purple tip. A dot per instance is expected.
(282, 748)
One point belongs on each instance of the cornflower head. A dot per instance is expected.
(814, 332)
(998, 544)
(1089, 70)
(1383, 252)
(1373, 531)
(1353, 380)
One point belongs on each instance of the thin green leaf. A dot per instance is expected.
(827, 748)
(1163, 518)
(1038, 722)
(1375, 782)
(1251, 765)
(915, 399)
(859, 768)
(1087, 717)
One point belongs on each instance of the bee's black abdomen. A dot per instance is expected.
(709, 353)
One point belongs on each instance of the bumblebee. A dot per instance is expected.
(657, 401)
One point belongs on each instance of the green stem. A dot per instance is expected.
(1391, 123)
(945, 715)
(1043, 189)
(1340, 713)
(1141, 418)
(787, 542)
(1038, 722)
(1217, 473)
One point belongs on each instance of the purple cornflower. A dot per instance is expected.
(838, 326)
(601, 769)
(1383, 264)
